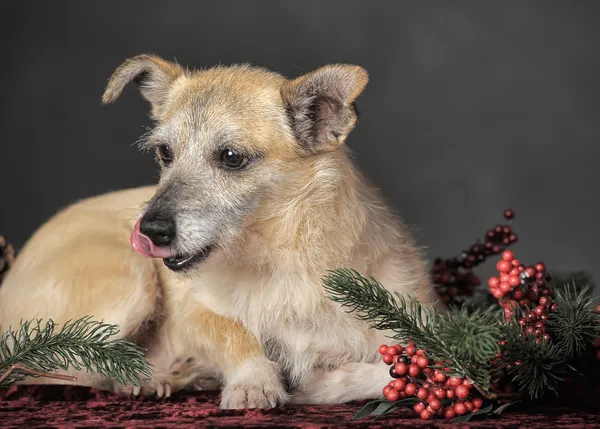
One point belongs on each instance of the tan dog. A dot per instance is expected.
(258, 198)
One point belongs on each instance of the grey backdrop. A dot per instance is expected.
(472, 106)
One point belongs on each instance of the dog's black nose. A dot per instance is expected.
(160, 230)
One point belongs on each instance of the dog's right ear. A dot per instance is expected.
(153, 75)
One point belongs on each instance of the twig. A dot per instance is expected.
(34, 372)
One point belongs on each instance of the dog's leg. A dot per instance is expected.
(350, 382)
(250, 379)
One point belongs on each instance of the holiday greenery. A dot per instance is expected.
(38, 349)
(530, 336)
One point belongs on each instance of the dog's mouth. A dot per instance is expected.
(179, 263)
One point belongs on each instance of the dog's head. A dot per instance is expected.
(225, 138)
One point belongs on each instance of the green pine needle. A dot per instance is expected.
(83, 344)
(574, 326)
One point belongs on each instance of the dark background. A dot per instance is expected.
(472, 106)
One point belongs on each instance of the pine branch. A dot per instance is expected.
(83, 344)
(536, 368)
(371, 302)
(575, 325)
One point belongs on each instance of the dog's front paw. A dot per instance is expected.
(256, 384)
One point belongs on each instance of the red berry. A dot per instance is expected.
(450, 394)
(455, 381)
(420, 352)
(544, 301)
(460, 408)
(518, 293)
(439, 393)
(449, 413)
(423, 362)
(399, 384)
(530, 271)
(477, 403)
(515, 263)
(435, 404)
(399, 347)
(414, 370)
(393, 395)
(419, 406)
(410, 389)
(411, 350)
(401, 368)
(505, 287)
(413, 359)
(426, 414)
(393, 351)
(440, 377)
(494, 282)
(514, 281)
(428, 371)
(422, 393)
(461, 392)
(504, 278)
(514, 272)
(430, 397)
(386, 389)
(508, 255)
(497, 293)
(540, 267)
(383, 349)
(503, 266)
(554, 308)
(469, 406)
(388, 359)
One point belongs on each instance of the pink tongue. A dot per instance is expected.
(146, 247)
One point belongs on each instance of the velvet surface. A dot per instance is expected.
(70, 407)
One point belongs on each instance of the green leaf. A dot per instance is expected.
(502, 408)
(467, 417)
(379, 408)
(367, 409)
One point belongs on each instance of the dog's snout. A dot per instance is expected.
(160, 230)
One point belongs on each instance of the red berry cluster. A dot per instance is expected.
(414, 376)
(526, 288)
(454, 278)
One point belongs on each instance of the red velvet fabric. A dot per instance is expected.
(77, 407)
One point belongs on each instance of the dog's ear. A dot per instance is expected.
(320, 105)
(152, 74)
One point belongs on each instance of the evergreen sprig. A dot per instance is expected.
(574, 326)
(81, 344)
(465, 342)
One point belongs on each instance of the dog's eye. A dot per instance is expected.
(165, 154)
(233, 159)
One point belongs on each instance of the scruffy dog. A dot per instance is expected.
(258, 198)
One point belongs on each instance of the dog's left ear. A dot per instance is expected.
(153, 76)
(321, 107)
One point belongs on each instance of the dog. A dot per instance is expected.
(258, 198)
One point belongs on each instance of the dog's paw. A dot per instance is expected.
(256, 384)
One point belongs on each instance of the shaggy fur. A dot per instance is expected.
(252, 313)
